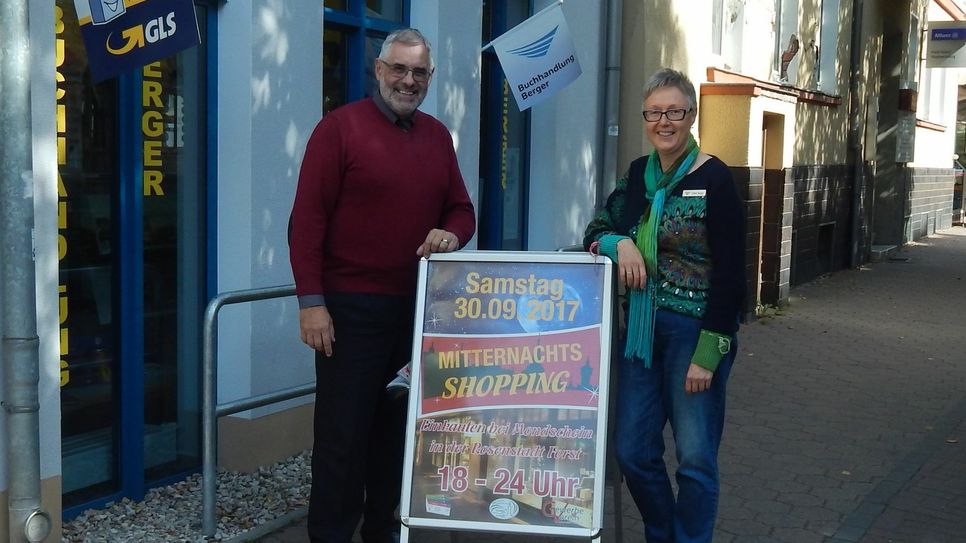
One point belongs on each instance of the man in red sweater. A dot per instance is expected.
(379, 187)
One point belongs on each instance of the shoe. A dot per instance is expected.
(399, 387)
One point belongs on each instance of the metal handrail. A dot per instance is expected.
(210, 410)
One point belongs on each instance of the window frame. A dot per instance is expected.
(358, 27)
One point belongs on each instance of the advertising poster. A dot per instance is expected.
(508, 401)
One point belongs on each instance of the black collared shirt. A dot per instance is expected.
(405, 124)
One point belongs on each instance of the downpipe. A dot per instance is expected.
(612, 84)
(855, 144)
(20, 344)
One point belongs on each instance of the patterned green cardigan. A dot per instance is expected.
(701, 241)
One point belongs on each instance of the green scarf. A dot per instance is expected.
(643, 306)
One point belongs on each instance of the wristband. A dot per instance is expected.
(710, 349)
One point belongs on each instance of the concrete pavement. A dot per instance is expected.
(847, 413)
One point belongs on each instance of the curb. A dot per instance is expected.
(270, 527)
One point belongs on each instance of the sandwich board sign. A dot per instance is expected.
(508, 405)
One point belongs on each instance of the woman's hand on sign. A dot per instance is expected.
(630, 264)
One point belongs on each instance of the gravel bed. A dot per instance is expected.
(173, 513)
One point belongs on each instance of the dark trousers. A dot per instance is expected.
(359, 430)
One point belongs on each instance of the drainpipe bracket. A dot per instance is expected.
(15, 409)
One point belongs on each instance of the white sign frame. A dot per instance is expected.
(432, 516)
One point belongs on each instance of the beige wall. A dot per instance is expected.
(677, 33)
(822, 130)
(246, 444)
(50, 502)
(654, 34)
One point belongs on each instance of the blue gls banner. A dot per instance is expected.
(121, 35)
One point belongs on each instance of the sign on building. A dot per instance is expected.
(538, 56)
(947, 44)
(121, 35)
(508, 406)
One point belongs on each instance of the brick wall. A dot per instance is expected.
(821, 220)
(750, 184)
(930, 204)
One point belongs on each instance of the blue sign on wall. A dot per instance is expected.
(949, 33)
(121, 35)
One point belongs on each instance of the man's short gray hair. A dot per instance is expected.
(407, 36)
(667, 77)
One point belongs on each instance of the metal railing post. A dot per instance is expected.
(210, 410)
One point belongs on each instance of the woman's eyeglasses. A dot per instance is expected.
(654, 115)
(399, 71)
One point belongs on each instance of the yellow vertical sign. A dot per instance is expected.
(152, 127)
(61, 94)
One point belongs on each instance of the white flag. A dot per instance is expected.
(538, 57)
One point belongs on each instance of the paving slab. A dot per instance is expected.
(847, 413)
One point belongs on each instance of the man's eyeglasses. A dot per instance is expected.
(654, 115)
(399, 71)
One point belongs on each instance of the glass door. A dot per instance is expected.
(87, 187)
(173, 259)
(132, 184)
(504, 153)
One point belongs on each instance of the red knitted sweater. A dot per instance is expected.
(368, 194)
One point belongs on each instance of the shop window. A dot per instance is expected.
(788, 45)
(505, 133)
(352, 36)
(727, 22)
(933, 92)
(88, 167)
(132, 203)
(826, 58)
(936, 87)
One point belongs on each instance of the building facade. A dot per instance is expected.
(838, 134)
(159, 189)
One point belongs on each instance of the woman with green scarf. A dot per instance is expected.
(675, 227)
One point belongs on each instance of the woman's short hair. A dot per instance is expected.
(667, 77)
(407, 36)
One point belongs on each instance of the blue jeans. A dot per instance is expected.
(647, 398)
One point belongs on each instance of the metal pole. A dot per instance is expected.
(21, 359)
(611, 100)
(209, 394)
(855, 144)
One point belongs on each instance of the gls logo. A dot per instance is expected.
(536, 48)
(153, 31)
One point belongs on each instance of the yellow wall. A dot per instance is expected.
(732, 128)
(724, 128)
